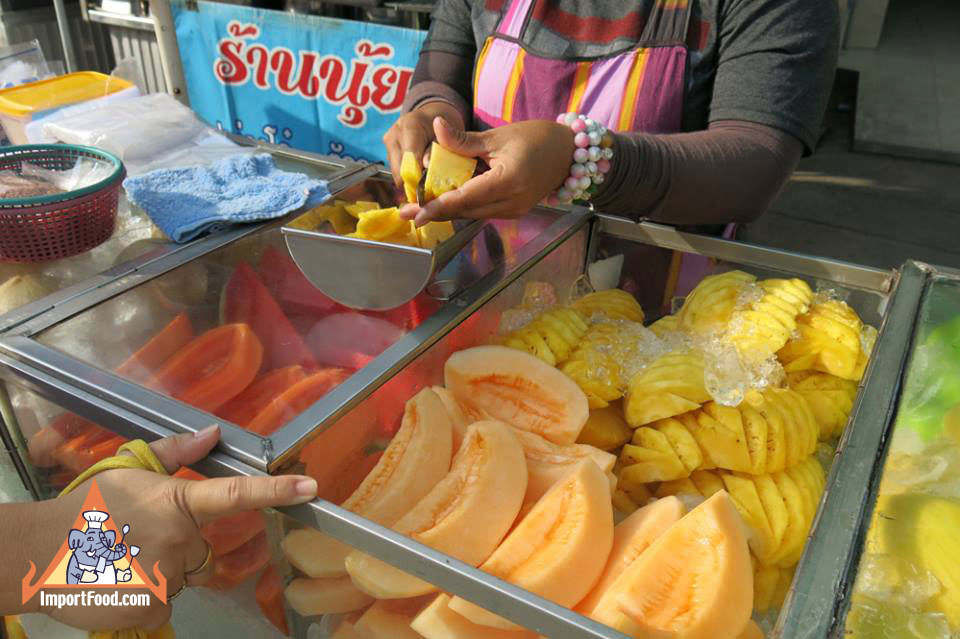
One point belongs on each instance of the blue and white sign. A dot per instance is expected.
(312, 83)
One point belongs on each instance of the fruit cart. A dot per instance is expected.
(73, 391)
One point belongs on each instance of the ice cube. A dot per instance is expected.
(749, 294)
(725, 376)
(581, 286)
(514, 319)
(539, 296)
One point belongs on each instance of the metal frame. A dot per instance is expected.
(821, 581)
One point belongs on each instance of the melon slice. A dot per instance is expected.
(631, 537)
(410, 172)
(751, 631)
(347, 630)
(466, 515)
(696, 580)
(559, 550)
(517, 388)
(446, 171)
(325, 596)
(381, 621)
(459, 418)
(416, 459)
(438, 621)
(548, 463)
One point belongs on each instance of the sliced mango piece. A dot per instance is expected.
(559, 549)
(446, 171)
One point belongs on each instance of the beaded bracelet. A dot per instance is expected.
(591, 159)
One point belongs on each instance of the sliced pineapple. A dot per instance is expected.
(358, 207)
(671, 385)
(829, 397)
(551, 336)
(710, 305)
(764, 326)
(613, 304)
(829, 341)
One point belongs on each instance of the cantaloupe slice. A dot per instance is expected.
(517, 388)
(559, 549)
(381, 621)
(347, 630)
(631, 537)
(416, 459)
(446, 171)
(548, 463)
(459, 418)
(696, 580)
(438, 621)
(410, 172)
(325, 596)
(466, 515)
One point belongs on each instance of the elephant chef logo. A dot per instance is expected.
(95, 555)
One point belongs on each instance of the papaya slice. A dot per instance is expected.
(232, 569)
(325, 596)
(559, 550)
(269, 596)
(466, 515)
(213, 368)
(161, 347)
(247, 405)
(696, 580)
(518, 389)
(631, 537)
(291, 288)
(296, 399)
(247, 300)
(438, 621)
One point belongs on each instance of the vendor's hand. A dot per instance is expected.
(414, 132)
(527, 161)
(165, 515)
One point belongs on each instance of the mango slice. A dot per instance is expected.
(559, 549)
(695, 580)
(518, 389)
(466, 515)
(446, 171)
(631, 537)
(325, 596)
(410, 172)
(416, 459)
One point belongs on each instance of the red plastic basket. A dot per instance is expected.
(51, 227)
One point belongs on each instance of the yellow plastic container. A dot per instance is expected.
(21, 104)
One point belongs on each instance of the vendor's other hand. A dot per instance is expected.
(414, 132)
(527, 161)
(165, 515)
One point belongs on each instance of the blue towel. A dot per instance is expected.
(191, 201)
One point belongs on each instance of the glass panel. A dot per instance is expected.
(906, 584)
(241, 333)
(134, 236)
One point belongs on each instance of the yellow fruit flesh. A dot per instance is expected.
(360, 206)
(611, 304)
(438, 621)
(671, 385)
(410, 173)
(605, 429)
(710, 305)
(446, 171)
(325, 596)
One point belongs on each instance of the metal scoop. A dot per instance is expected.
(368, 275)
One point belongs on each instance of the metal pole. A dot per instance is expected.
(66, 40)
(169, 52)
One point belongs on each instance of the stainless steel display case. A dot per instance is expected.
(547, 245)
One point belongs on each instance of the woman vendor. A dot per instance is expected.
(694, 112)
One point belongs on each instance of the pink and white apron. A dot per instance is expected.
(640, 89)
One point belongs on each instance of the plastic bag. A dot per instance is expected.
(22, 63)
(146, 132)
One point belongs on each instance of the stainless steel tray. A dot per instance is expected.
(369, 275)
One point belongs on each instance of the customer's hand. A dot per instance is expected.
(414, 132)
(165, 515)
(527, 161)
